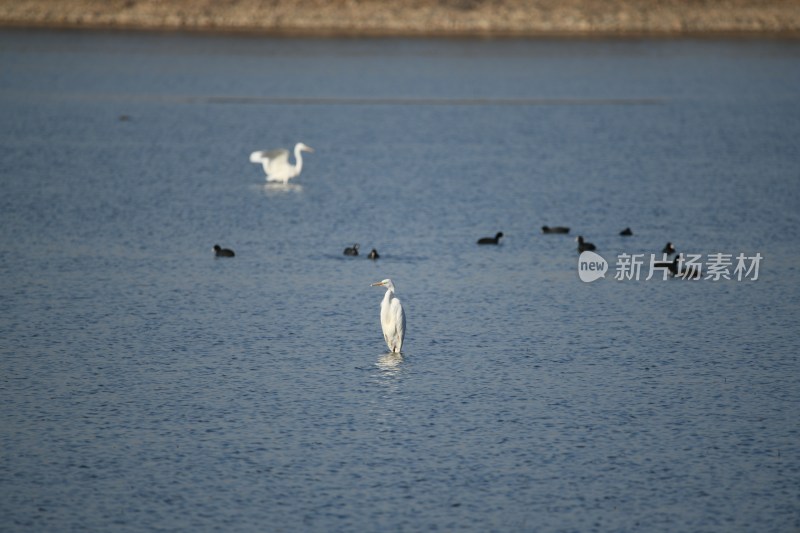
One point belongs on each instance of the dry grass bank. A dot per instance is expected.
(417, 17)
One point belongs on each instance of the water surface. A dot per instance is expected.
(148, 386)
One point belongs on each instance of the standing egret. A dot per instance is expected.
(276, 162)
(393, 318)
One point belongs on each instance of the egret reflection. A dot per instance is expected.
(276, 187)
(390, 362)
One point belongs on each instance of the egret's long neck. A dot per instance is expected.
(388, 296)
(298, 156)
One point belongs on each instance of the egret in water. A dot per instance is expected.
(276, 162)
(393, 318)
(219, 251)
(491, 240)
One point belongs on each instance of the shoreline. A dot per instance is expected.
(417, 18)
(327, 33)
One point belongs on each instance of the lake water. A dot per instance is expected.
(147, 386)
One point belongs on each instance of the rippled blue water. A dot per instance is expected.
(148, 386)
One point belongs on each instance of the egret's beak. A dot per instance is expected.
(309, 149)
(376, 284)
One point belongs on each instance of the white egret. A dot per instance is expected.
(393, 318)
(276, 162)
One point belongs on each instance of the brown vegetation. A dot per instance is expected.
(417, 17)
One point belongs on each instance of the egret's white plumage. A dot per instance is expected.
(276, 162)
(393, 318)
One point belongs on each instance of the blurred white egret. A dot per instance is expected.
(393, 318)
(276, 162)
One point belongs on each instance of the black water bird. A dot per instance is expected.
(491, 240)
(672, 266)
(223, 252)
(373, 254)
(678, 269)
(555, 229)
(584, 246)
(626, 232)
(669, 249)
(353, 250)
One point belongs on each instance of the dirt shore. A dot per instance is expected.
(417, 17)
